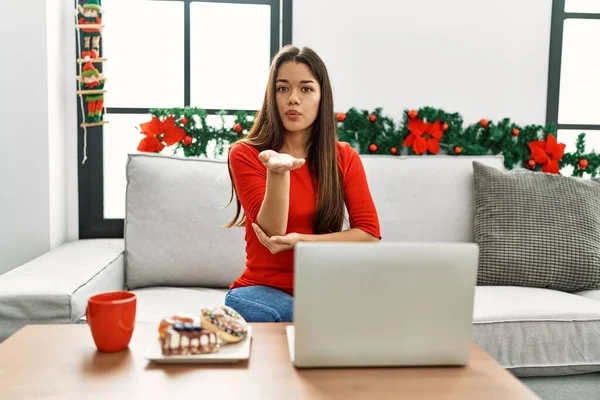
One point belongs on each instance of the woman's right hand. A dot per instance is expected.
(279, 162)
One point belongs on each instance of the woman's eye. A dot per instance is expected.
(307, 89)
(281, 89)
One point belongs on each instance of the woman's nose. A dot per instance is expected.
(293, 99)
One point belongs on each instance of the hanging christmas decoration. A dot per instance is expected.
(88, 22)
(92, 85)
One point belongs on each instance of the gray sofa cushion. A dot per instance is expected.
(174, 234)
(538, 332)
(155, 303)
(537, 230)
(54, 288)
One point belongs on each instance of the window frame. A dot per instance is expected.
(559, 15)
(92, 223)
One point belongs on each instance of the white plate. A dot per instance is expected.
(229, 353)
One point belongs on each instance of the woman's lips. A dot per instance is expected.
(292, 114)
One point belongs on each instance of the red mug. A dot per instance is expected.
(111, 317)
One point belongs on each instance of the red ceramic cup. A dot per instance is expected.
(111, 317)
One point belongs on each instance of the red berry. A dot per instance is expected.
(583, 163)
(187, 140)
(372, 117)
(238, 127)
(515, 132)
(372, 147)
(341, 117)
(458, 150)
(531, 164)
(412, 114)
(444, 126)
(394, 150)
(484, 123)
(184, 120)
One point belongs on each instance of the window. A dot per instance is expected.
(573, 79)
(171, 53)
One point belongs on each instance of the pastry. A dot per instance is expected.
(188, 339)
(228, 323)
(167, 322)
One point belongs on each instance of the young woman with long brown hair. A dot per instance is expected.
(292, 180)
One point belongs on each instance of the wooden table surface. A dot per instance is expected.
(61, 361)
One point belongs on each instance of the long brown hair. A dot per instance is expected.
(267, 134)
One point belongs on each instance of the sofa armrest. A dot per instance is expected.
(54, 288)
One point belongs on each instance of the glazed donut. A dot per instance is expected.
(230, 326)
(167, 322)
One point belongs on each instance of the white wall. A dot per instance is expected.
(24, 230)
(70, 104)
(56, 121)
(482, 59)
(62, 117)
(36, 106)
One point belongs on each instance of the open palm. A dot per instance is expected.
(277, 244)
(279, 162)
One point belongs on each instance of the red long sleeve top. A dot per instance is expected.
(249, 176)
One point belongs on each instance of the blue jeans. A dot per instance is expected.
(261, 304)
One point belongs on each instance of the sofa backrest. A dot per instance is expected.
(174, 234)
(425, 198)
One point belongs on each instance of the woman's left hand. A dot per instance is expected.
(277, 244)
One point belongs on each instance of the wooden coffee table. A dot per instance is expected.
(60, 361)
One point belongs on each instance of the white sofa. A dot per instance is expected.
(179, 257)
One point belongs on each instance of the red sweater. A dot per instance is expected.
(249, 176)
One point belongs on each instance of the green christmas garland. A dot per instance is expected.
(424, 131)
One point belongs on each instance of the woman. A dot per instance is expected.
(292, 179)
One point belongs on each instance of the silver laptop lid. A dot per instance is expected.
(383, 304)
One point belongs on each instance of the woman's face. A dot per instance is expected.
(298, 96)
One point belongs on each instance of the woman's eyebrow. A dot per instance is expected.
(286, 81)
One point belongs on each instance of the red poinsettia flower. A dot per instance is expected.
(160, 133)
(424, 136)
(547, 153)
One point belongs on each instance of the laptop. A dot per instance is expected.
(382, 304)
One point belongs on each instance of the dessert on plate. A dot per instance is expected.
(191, 335)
